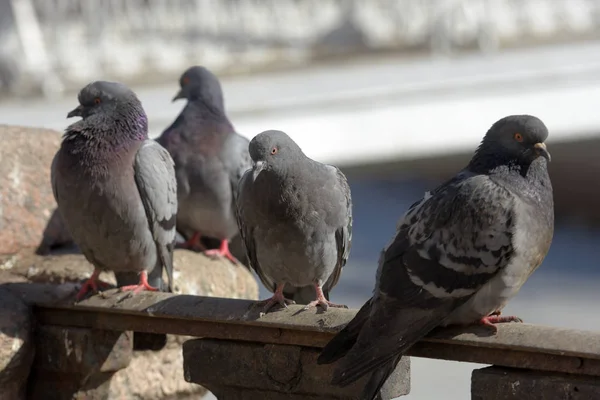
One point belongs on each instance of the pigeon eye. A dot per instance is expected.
(97, 100)
(185, 80)
(518, 137)
(274, 150)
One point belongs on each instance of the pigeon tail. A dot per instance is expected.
(339, 346)
(377, 380)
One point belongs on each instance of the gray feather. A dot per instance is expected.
(155, 178)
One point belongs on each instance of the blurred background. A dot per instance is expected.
(398, 93)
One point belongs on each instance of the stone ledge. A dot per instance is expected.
(515, 345)
(271, 371)
(493, 383)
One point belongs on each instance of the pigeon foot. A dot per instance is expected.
(277, 298)
(194, 243)
(495, 318)
(222, 251)
(143, 285)
(91, 285)
(322, 301)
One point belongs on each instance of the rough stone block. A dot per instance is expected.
(73, 363)
(26, 200)
(495, 383)
(244, 370)
(16, 346)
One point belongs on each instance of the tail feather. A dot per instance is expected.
(380, 352)
(339, 346)
(354, 368)
(377, 380)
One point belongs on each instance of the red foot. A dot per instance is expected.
(92, 285)
(277, 298)
(495, 318)
(322, 301)
(143, 285)
(222, 251)
(194, 243)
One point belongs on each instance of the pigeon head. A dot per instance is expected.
(273, 151)
(198, 83)
(512, 140)
(108, 104)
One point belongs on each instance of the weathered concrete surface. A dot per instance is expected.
(76, 363)
(150, 375)
(494, 383)
(514, 344)
(158, 375)
(16, 345)
(26, 200)
(256, 371)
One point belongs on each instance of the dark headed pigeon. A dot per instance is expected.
(459, 254)
(210, 158)
(115, 188)
(295, 217)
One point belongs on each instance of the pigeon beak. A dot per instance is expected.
(178, 96)
(259, 166)
(78, 112)
(541, 150)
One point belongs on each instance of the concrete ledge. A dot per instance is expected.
(515, 345)
(257, 371)
(495, 383)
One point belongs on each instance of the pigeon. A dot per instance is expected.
(295, 218)
(116, 189)
(458, 256)
(210, 158)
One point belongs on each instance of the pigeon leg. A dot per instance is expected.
(277, 298)
(193, 243)
(92, 284)
(222, 251)
(495, 318)
(143, 285)
(322, 301)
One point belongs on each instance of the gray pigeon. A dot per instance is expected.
(295, 218)
(210, 158)
(115, 188)
(459, 254)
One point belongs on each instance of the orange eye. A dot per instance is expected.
(97, 100)
(274, 150)
(518, 137)
(185, 80)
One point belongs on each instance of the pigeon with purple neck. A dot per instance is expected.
(116, 189)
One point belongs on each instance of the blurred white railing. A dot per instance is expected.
(63, 43)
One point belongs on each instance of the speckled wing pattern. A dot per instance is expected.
(447, 246)
(154, 174)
